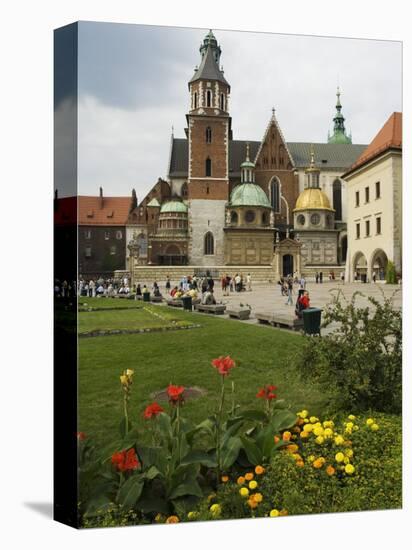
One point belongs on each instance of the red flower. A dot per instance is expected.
(125, 460)
(175, 393)
(223, 364)
(81, 436)
(267, 392)
(152, 410)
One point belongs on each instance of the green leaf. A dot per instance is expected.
(122, 427)
(281, 420)
(165, 426)
(151, 473)
(230, 432)
(130, 491)
(199, 457)
(253, 453)
(255, 414)
(189, 487)
(153, 456)
(149, 503)
(230, 452)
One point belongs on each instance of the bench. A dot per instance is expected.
(279, 320)
(175, 303)
(156, 299)
(241, 313)
(217, 309)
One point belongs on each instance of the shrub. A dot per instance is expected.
(390, 274)
(360, 363)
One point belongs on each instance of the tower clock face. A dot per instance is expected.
(315, 219)
(301, 219)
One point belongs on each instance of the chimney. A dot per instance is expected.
(101, 197)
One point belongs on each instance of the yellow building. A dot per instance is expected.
(374, 206)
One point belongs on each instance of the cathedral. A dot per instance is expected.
(241, 203)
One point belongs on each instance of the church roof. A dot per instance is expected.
(173, 206)
(332, 156)
(312, 198)
(388, 137)
(249, 194)
(209, 69)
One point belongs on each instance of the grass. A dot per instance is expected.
(264, 355)
(109, 303)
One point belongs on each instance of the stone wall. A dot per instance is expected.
(205, 216)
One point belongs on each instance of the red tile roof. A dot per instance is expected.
(388, 137)
(103, 210)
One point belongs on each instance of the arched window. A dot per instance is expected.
(195, 100)
(208, 98)
(222, 102)
(274, 191)
(209, 244)
(142, 244)
(233, 217)
(208, 134)
(184, 190)
(208, 167)
(337, 199)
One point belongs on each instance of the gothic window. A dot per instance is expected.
(337, 199)
(184, 190)
(195, 100)
(208, 98)
(208, 168)
(222, 102)
(208, 134)
(274, 190)
(209, 244)
(142, 244)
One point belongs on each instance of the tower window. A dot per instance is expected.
(209, 244)
(208, 134)
(337, 199)
(195, 100)
(274, 191)
(208, 168)
(208, 98)
(222, 102)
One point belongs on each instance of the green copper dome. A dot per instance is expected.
(173, 206)
(249, 194)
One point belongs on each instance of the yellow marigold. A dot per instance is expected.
(330, 470)
(320, 439)
(313, 419)
(300, 463)
(244, 492)
(349, 425)
(292, 448)
(306, 420)
(172, 519)
(339, 440)
(225, 479)
(253, 484)
(249, 476)
(240, 480)
(258, 497)
(311, 458)
(318, 430)
(300, 421)
(308, 428)
(355, 428)
(259, 470)
(286, 436)
(192, 515)
(370, 421)
(319, 462)
(296, 456)
(339, 457)
(252, 503)
(375, 427)
(283, 512)
(328, 432)
(328, 424)
(352, 417)
(274, 513)
(303, 414)
(349, 469)
(215, 509)
(349, 453)
(304, 435)
(346, 460)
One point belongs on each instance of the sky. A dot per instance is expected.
(132, 89)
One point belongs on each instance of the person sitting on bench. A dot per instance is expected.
(208, 299)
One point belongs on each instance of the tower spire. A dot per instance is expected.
(339, 132)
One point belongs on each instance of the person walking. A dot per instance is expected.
(168, 284)
(317, 277)
(289, 285)
(249, 282)
(320, 277)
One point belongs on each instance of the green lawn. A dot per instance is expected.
(264, 355)
(108, 303)
(128, 319)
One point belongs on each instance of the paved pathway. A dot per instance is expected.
(266, 297)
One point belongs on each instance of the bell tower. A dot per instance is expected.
(208, 133)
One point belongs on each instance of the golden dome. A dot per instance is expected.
(312, 198)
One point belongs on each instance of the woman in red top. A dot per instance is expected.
(302, 303)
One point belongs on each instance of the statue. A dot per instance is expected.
(227, 217)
